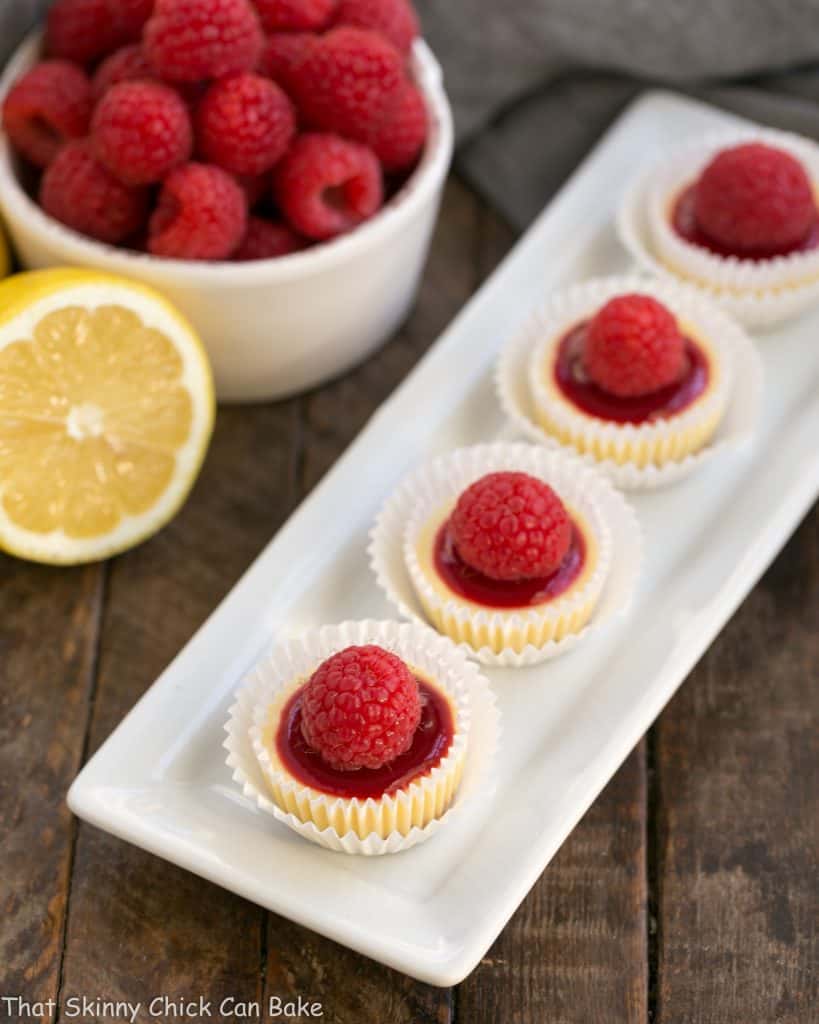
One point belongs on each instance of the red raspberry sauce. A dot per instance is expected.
(669, 401)
(685, 224)
(430, 744)
(474, 586)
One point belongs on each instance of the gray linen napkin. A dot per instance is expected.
(535, 82)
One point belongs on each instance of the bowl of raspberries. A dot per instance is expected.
(274, 167)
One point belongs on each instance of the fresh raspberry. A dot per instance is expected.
(82, 30)
(511, 526)
(633, 347)
(326, 185)
(201, 215)
(48, 105)
(283, 55)
(349, 82)
(190, 40)
(80, 192)
(398, 141)
(294, 15)
(128, 64)
(245, 124)
(360, 708)
(267, 239)
(396, 20)
(754, 199)
(141, 131)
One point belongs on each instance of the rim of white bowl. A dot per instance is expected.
(418, 189)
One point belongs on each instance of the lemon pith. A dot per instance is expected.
(106, 408)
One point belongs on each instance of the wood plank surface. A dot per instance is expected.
(49, 625)
(737, 797)
(575, 952)
(139, 927)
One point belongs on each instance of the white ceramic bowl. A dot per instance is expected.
(271, 327)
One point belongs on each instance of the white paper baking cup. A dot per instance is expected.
(424, 493)
(759, 293)
(739, 393)
(477, 728)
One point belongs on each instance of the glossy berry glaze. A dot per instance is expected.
(430, 744)
(474, 586)
(573, 383)
(684, 222)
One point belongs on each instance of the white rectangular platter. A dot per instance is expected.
(160, 781)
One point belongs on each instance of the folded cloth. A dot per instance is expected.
(535, 82)
(16, 18)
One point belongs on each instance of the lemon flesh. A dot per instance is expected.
(106, 409)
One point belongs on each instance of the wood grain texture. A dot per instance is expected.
(575, 950)
(351, 988)
(49, 623)
(738, 813)
(139, 927)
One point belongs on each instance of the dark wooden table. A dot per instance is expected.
(688, 893)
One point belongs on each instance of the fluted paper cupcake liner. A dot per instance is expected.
(759, 293)
(729, 413)
(505, 638)
(368, 827)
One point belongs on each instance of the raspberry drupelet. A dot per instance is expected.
(511, 526)
(361, 708)
(634, 347)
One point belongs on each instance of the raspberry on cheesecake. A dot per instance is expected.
(633, 347)
(361, 708)
(755, 200)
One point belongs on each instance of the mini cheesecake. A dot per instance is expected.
(385, 795)
(617, 412)
(741, 218)
(529, 604)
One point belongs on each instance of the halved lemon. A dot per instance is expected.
(106, 410)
